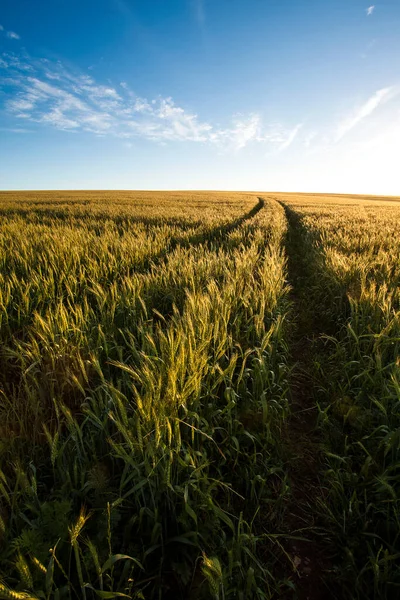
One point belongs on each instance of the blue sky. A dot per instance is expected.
(200, 94)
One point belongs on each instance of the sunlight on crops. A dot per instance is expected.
(148, 353)
(143, 388)
(353, 246)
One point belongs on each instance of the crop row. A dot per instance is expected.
(144, 385)
(143, 389)
(353, 249)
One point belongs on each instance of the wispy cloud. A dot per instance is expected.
(199, 11)
(365, 122)
(370, 10)
(47, 93)
(246, 129)
(364, 111)
(310, 136)
(290, 138)
(243, 130)
(368, 47)
(10, 34)
(16, 129)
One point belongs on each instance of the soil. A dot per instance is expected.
(309, 555)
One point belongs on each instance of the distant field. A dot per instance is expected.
(199, 395)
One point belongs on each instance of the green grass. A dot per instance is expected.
(354, 248)
(143, 391)
(146, 366)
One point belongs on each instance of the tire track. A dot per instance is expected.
(302, 440)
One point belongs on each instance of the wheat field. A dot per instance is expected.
(199, 395)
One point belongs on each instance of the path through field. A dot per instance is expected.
(302, 438)
(200, 396)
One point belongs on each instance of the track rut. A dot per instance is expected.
(309, 555)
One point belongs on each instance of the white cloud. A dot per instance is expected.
(244, 129)
(16, 64)
(290, 138)
(21, 105)
(12, 35)
(370, 10)
(15, 130)
(50, 94)
(309, 138)
(46, 92)
(178, 124)
(380, 97)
